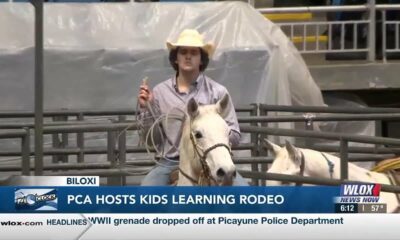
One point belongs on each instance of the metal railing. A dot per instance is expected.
(24, 136)
(386, 24)
(314, 31)
(116, 153)
(344, 140)
(59, 123)
(320, 27)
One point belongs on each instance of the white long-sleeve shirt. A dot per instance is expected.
(166, 97)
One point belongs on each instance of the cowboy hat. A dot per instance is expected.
(191, 38)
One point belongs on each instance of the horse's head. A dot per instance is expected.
(288, 160)
(206, 143)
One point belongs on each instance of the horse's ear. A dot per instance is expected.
(222, 104)
(193, 108)
(293, 152)
(271, 146)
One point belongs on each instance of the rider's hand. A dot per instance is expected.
(145, 95)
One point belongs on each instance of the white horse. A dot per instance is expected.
(306, 162)
(205, 153)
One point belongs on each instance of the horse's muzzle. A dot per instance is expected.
(225, 177)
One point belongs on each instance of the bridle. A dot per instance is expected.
(205, 177)
(302, 166)
(331, 166)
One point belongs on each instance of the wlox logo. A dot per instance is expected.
(363, 190)
(34, 199)
(359, 193)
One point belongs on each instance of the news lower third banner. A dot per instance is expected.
(168, 199)
(78, 208)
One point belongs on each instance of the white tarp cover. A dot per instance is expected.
(97, 54)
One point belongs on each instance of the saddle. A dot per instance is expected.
(392, 168)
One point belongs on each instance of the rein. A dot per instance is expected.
(331, 166)
(302, 167)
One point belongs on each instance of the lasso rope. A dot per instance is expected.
(387, 165)
(150, 136)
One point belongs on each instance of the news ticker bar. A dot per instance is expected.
(199, 226)
(82, 194)
(360, 208)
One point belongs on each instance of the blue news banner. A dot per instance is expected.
(168, 199)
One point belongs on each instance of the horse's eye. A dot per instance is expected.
(198, 135)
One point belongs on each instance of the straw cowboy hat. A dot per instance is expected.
(191, 38)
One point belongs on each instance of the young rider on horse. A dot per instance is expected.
(189, 57)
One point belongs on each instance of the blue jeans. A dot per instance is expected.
(159, 175)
